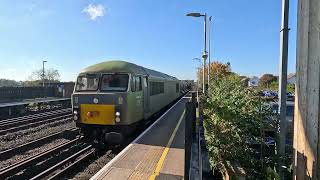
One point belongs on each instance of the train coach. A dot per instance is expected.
(112, 98)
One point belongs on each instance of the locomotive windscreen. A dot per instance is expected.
(87, 83)
(114, 82)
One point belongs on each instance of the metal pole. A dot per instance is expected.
(43, 73)
(209, 63)
(205, 33)
(204, 56)
(283, 83)
(188, 138)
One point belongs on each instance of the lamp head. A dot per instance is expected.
(194, 14)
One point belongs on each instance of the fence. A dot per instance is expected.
(18, 93)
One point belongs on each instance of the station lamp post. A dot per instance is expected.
(43, 72)
(209, 39)
(205, 55)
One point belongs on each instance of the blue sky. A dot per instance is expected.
(156, 34)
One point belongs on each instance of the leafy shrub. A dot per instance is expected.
(234, 119)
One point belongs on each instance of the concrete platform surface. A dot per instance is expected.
(158, 153)
(26, 102)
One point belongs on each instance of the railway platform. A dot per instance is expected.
(21, 107)
(158, 153)
(26, 102)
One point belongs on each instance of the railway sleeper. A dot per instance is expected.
(17, 167)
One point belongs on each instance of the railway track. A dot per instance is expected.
(64, 160)
(5, 123)
(61, 158)
(67, 134)
(63, 168)
(25, 122)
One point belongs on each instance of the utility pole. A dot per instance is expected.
(283, 84)
(43, 72)
(205, 54)
(209, 63)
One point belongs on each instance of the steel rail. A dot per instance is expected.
(63, 163)
(31, 120)
(34, 116)
(19, 123)
(6, 154)
(17, 167)
(74, 165)
(26, 126)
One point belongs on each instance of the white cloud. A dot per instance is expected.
(94, 11)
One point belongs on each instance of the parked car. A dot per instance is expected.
(274, 94)
(290, 96)
(266, 93)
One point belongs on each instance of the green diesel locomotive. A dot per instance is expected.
(112, 98)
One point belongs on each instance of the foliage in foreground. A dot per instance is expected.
(233, 120)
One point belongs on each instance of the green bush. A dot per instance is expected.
(274, 86)
(234, 117)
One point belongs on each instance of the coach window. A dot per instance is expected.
(156, 88)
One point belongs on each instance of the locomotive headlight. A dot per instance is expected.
(75, 112)
(95, 100)
(117, 119)
(117, 116)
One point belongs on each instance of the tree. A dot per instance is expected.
(50, 75)
(53, 75)
(234, 121)
(244, 80)
(217, 69)
(266, 80)
(274, 86)
(9, 83)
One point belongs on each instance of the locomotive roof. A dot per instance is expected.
(123, 67)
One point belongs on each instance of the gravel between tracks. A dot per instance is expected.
(17, 138)
(95, 166)
(31, 152)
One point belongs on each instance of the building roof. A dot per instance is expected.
(118, 66)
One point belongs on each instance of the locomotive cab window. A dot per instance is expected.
(145, 82)
(136, 83)
(133, 83)
(177, 87)
(114, 82)
(87, 83)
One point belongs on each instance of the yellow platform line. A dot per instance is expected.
(164, 154)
